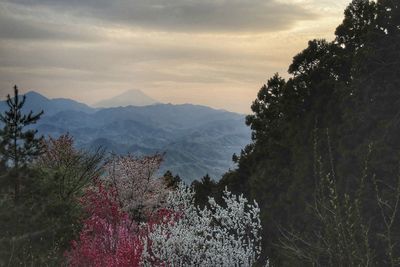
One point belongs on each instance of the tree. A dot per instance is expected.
(138, 189)
(39, 227)
(339, 235)
(203, 189)
(170, 180)
(187, 235)
(351, 34)
(351, 227)
(69, 169)
(108, 236)
(179, 234)
(19, 144)
(347, 88)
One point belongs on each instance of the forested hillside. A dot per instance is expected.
(325, 149)
(196, 139)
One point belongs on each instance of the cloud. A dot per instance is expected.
(212, 52)
(182, 15)
(33, 23)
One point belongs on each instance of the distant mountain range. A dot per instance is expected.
(37, 102)
(196, 139)
(128, 98)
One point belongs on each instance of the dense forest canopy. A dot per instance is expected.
(338, 116)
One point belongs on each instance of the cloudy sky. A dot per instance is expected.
(211, 52)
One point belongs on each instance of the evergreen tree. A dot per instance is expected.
(203, 189)
(170, 180)
(341, 96)
(19, 144)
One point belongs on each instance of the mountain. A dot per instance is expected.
(129, 98)
(38, 102)
(196, 139)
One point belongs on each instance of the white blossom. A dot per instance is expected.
(138, 189)
(214, 236)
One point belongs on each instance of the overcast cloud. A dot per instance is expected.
(212, 52)
(181, 15)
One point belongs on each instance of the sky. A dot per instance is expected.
(210, 52)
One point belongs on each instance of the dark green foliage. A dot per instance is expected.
(355, 227)
(18, 144)
(204, 188)
(52, 174)
(338, 234)
(170, 180)
(341, 97)
(37, 229)
(70, 170)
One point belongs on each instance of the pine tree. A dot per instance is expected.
(203, 189)
(19, 145)
(170, 180)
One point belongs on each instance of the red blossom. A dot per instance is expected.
(108, 237)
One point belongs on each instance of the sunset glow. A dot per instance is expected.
(214, 53)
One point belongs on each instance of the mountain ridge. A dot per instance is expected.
(133, 97)
(196, 139)
(38, 102)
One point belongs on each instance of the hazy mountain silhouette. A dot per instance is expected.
(197, 139)
(129, 98)
(38, 102)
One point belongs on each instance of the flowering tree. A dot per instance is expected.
(108, 237)
(58, 151)
(177, 234)
(72, 169)
(138, 190)
(214, 236)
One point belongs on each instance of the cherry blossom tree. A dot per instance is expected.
(139, 191)
(174, 233)
(214, 236)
